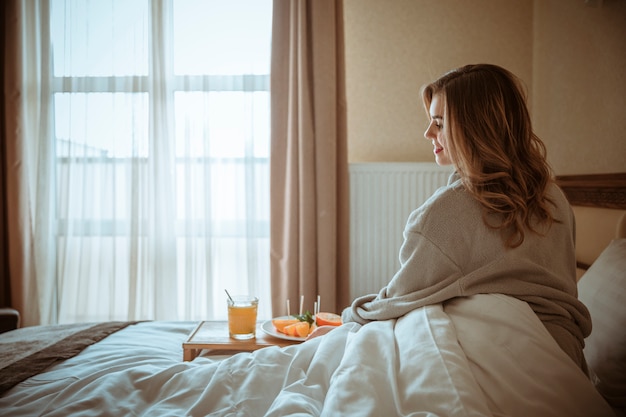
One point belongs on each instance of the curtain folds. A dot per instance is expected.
(308, 166)
(29, 227)
(8, 37)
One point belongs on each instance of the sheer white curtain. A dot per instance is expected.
(158, 147)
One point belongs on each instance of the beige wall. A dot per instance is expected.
(395, 46)
(579, 73)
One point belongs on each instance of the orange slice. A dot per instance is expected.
(281, 323)
(328, 319)
(299, 329)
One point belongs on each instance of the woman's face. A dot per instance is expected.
(435, 132)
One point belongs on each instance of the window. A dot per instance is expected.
(161, 122)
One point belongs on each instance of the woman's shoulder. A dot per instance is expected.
(555, 192)
(559, 200)
(450, 203)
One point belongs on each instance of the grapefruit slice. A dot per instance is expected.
(299, 329)
(328, 319)
(281, 323)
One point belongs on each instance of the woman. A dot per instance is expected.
(500, 225)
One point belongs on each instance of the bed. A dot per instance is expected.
(486, 355)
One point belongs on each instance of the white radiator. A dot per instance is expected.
(382, 195)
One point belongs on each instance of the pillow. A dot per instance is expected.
(603, 290)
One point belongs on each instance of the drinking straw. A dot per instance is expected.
(301, 302)
(288, 313)
(231, 298)
(319, 304)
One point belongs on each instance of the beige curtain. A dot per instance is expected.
(6, 15)
(21, 285)
(308, 165)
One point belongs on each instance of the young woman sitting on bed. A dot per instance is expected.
(501, 225)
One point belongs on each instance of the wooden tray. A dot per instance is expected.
(213, 335)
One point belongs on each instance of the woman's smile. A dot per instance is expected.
(436, 132)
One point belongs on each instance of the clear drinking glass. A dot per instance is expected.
(242, 312)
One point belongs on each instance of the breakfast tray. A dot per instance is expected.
(213, 336)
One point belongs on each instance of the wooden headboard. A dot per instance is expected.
(595, 190)
(599, 205)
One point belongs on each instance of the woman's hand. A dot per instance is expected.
(320, 331)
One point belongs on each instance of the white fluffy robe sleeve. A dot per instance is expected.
(425, 274)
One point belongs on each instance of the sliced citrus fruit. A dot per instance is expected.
(299, 329)
(281, 323)
(328, 319)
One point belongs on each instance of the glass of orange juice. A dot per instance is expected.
(242, 316)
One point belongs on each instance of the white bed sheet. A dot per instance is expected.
(486, 355)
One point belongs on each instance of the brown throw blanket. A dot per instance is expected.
(31, 350)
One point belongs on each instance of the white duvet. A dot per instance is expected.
(486, 355)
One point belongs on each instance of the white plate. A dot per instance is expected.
(269, 328)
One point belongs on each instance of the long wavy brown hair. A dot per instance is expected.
(490, 140)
